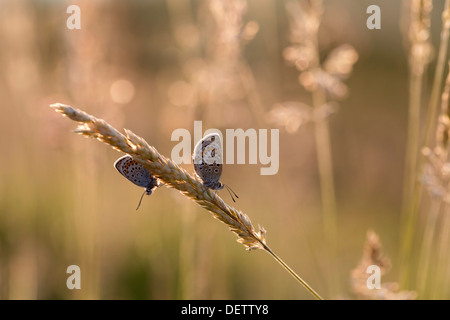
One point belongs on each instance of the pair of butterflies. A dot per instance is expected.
(207, 158)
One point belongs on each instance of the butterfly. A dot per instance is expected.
(138, 174)
(208, 162)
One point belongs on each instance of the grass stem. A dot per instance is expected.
(175, 177)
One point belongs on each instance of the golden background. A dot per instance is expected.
(156, 66)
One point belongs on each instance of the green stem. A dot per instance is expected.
(292, 272)
(413, 143)
(323, 149)
(413, 187)
(427, 247)
(438, 76)
(441, 281)
(325, 167)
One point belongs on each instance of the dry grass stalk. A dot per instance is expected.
(420, 54)
(325, 81)
(373, 255)
(436, 175)
(174, 176)
(436, 178)
(168, 172)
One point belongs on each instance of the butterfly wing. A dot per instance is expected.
(208, 160)
(136, 173)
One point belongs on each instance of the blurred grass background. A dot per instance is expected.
(138, 65)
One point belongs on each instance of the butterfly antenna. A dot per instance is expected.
(231, 192)
(140, 200)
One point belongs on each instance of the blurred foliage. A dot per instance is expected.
(153, 67)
